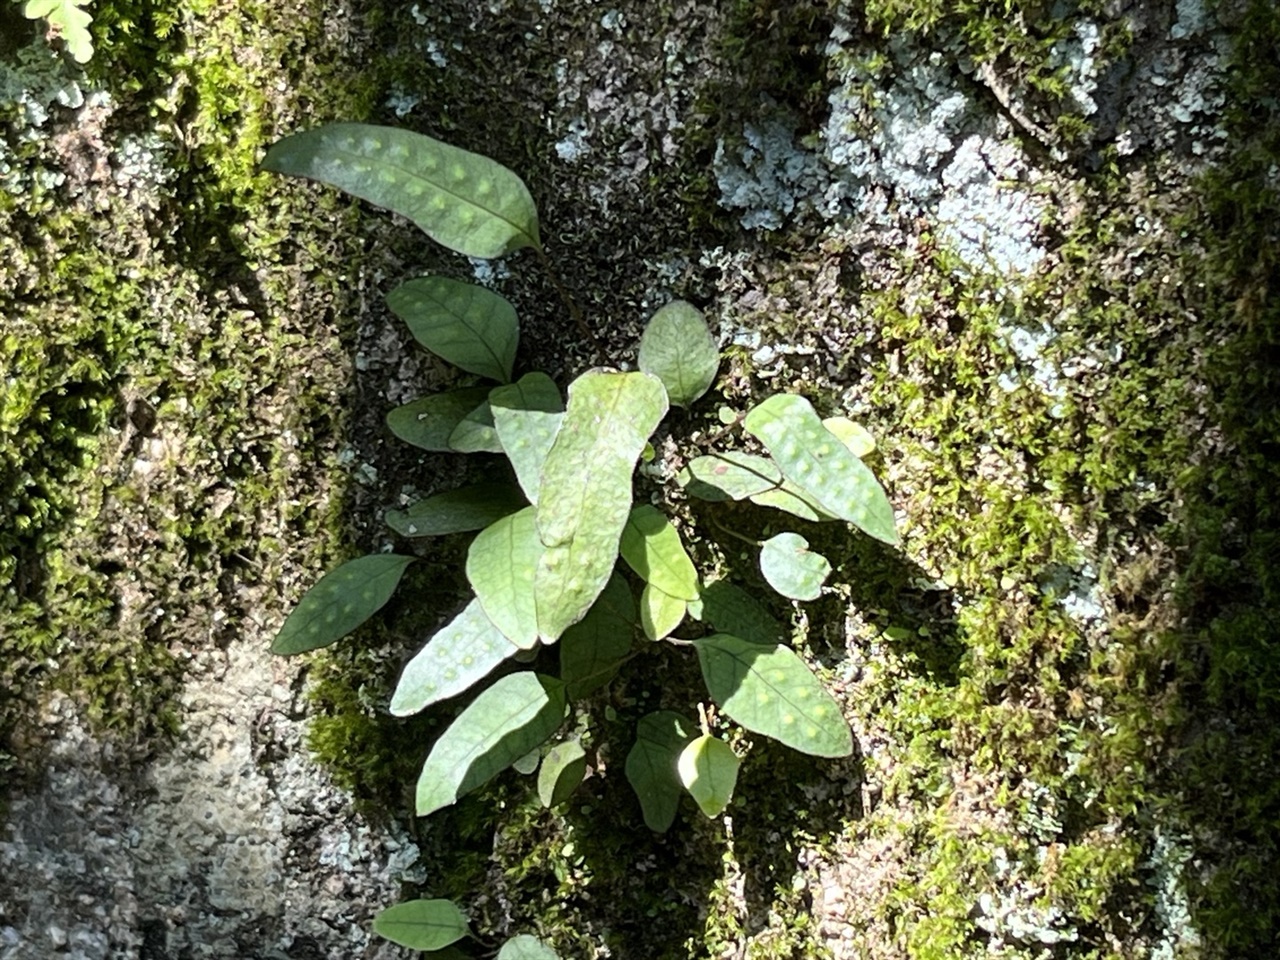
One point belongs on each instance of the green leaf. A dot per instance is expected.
(730, 609)
(708, 768)
(660, 613)
(822, 467)
(791, 500)
(528, 763)
(475, 432)
(467, 325)
(792, 568)
(527, 416)
(593, 648)
(585, 495)
(770, 690)
(422, 924)
(342, 600)
(852, 435)
(678, 349)
(563, 768)
(500, 566)
(465, 650)
(69, 20)
(462, 200)
(652, 548)
(429, 421)
(456, 511)
(525, 947)
(729, 476)
(504, 722)
(651, 766)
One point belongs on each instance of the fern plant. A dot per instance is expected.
(549, 561)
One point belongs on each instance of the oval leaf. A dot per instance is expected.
(652, 548)
(820, 466)
(730, 609)
(525, 947)
(500, 567)
(678, 349)
(585, 495)
(527, 416)
(593, 648)
(563, 768)
(660, 613)
(460, 199)
(651, 766)
(729, 476)
(464, 651)
(465, 324)
(853, 435)
(792, 568)
(422, 924)
(342, 600)
(708, 769)
(475, 432)
(770, 690)
(456, 511)
(430, 421)
(790, 500)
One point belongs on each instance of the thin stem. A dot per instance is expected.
(575, 311)
(735, 534)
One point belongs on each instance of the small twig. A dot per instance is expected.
(735, 534)
(575, 311)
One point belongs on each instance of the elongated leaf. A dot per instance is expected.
(651, 766)
(790, 499)
(526, 947)
(430, 421)
(563, 768)
(678, 349)
(500, 567)
(475, 432)
(660, 613)
(422, 924)
(527, 416)
(820, 465)
(729, 476)
(593, 648)
(462, 200)
(585, 495)
(456, 511)
(730, 609)
(465, 324)
(652, 548)
(501, 725)
(852, 435)
(708, 769)
(770, 690)
(792, 568)
(465, 650)
(342, 600)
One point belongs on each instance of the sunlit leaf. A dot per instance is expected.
(651, 766)
(652, 548)
(729, 476)
(660, 613)
(500, 567)
(527, 416)
(342, 600)
(593, 648)
(526, 947)
(456, 511)
(468, 325)
(852, 435)
(708, 768)
(730, 609)
(422, 924)
(460, 199)
(430, 421)
(678, 349)
(792, 568)
(563, 768)
(790, 499)
(70, 22)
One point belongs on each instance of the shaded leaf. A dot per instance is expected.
(585, 495)
(460, 199)
(342, 600)
(475, 432)
(500, 566)
(429, 421)
(465, 650)
(660, 613)
(651, 766)
(729, 476)
(593, 648)
(422, 924)
(651, 546)
(563, 768)
(528, 763)
(792, 568)
(468, 325)
(456, 511)
(525, 947)
(771, 691)
(853, 435)
(708, 768)
(504, 722)
(791, 500)
(678, 349)
(527, 416)
(730, 609)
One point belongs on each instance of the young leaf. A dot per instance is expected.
(462, 200)
(342, 600)
(730, 609)
(507, 720)
(465, 650)
(500, 567)
(525, 947)
(69, 20)
(651, 766)
(422, 924)
(593, 648)
(563, 768)
(475, 433)
(792, 568)
(585, 495)
(660, 613)
(465, 324)
(770, 690)
(527, 416)
(820, 465)
(428, 422)
(678, 349)
(729, 476)
(852, 435)
(708, 769)
(456, 511)
(652, 548)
